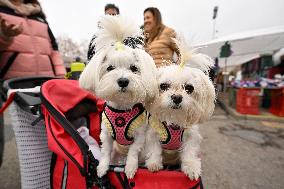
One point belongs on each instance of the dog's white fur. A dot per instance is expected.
(141, 88)
(194, 108)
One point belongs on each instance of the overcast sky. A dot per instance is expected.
(193, 18)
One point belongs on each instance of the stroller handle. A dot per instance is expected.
(24, 98)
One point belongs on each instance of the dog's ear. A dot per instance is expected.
(90, 76)
(207, 96)
(149, 74)
(86, 80)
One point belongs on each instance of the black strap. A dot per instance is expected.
(54, 46)
(52, 166)
(52, 38)
(52, 66)
(124, 182)
(120, 179)
(37, 120)
(9, 63)
(7, 10)
(199, 184)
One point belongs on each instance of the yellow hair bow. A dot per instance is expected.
(184, 57)
(119, 46)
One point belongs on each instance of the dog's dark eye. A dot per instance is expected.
(188, 88)
(110, 67)
(134, 68)
(164, 86)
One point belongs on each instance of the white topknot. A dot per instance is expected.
(115, 29)
(191, 58)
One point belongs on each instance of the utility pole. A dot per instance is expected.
(215, 11)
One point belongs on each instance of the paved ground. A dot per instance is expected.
(235, 155)
(10, 171)
(242, 154)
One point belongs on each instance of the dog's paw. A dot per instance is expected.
(192, 168)
(154, 166)
(130, 169)
(102, 169)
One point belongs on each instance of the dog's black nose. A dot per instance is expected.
(123, 82)
(177, 99)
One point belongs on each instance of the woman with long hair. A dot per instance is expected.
(159, 41)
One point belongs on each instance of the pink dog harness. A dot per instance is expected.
(175, 134)
(122, 124)
(170, 135)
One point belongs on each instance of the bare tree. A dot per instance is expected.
(70, 49)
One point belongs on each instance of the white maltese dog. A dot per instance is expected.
(186, 98)
(125, 76)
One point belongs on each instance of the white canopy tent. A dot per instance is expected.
(246, 46)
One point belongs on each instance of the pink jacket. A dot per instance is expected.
(31, 53)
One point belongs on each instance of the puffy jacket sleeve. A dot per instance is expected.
(58, 64)
(173, 35)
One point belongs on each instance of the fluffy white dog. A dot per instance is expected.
(125, 76)
(186, 98)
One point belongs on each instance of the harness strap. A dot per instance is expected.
(199, 185)
(9, 63)
(124, 182)
(92, 178)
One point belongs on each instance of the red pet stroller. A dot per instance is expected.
(52, 154)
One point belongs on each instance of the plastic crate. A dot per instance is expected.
(277, 102)
(248, 101)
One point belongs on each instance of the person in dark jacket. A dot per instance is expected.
(110, 9)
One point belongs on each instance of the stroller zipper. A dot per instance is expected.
(82, 170)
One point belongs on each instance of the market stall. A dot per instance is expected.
(248, 97)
